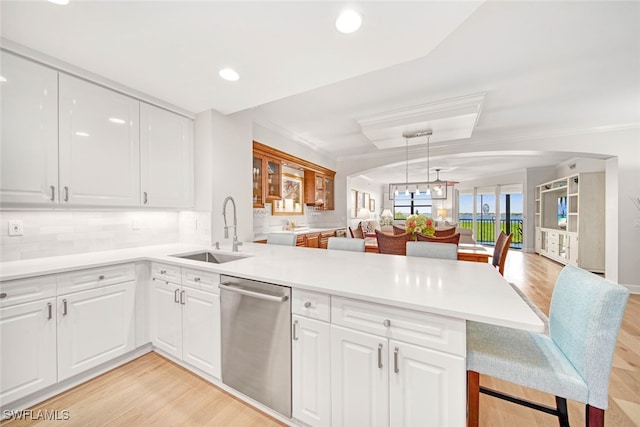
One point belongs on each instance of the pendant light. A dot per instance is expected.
(428, 191)
(406, 168)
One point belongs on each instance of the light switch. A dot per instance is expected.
(16, 228)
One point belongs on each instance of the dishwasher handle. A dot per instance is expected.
(259, 295)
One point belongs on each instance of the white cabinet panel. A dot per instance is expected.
(94, 327)
(359, 379)
(166, 317)
(28, 350)
(426, 387)
(201, 330)
(29, 132)
(99, 145)
(166, 166)
(311, 364)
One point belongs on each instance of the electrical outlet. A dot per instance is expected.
(16, 228)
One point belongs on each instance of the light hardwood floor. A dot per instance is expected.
(154, 391)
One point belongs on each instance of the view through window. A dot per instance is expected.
(405, 205)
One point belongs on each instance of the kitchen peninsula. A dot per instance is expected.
(377, 321)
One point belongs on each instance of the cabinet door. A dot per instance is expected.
(28, 349)
(99, 145)
(166, 317)
(311, 369)
(573, 249)
(29, 135)
(166, 158)
(258, 181)
(328, 194)
(426, 387)
(94, 327)
(201, 330)
(359, 379)
(274, 179)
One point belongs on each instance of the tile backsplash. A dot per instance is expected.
(51, 233)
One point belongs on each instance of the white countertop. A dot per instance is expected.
(459, 289)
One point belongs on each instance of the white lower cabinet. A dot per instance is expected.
(94, 327)
(311, 364)
(28, 350)
(426, 387)
(379, 379)
(359, 378)
(185, 321)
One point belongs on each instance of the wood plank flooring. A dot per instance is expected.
(153, 391)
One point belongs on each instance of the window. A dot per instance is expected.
(404, 205)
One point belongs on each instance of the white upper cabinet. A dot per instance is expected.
(166, 163)
(99, 145)
(29, 132)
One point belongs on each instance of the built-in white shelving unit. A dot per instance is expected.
(570, 220)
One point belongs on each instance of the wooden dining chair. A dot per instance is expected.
(342, 244)
(395, 244)
(444, 232)
(454, 238)
(432, 250)
(501, 250)
(572, 362)
(397, 230)
(358, 233)
(282, 239)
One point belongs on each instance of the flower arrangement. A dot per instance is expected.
(420, 224)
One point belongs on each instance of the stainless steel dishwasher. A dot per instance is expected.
(256, 340)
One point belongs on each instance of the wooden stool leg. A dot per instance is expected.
(473, 398)
(563, 415)
(594, 416)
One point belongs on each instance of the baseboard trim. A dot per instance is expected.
(634, 289)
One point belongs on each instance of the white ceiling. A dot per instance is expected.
(543, 66)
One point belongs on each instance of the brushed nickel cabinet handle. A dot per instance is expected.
(380, 356)
(3, 295)
(163, 271)
(386, 323)
(196, 279)
(307, 304)
(395, 360)
(146, 198)
(64, 307)
(66, 194)
(101, 277)
(182, 299)
(175, 294)
(49, 309)
(295, 330)
(53, 193)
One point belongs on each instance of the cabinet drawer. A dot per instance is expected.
(20, 291)
(310, 304)
(423, 329)
(95, 278)
(203, 280)
(166, 272)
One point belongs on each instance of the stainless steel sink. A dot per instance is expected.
(210, 257)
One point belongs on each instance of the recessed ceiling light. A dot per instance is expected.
(60, 2)
(229, 74)
(348, 22)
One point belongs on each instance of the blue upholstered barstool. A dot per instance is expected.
(433, 250)
(572, 362)
(343, 244)
(282, 239)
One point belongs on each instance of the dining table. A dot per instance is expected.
(466, 251)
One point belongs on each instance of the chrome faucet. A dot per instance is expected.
(235, 223)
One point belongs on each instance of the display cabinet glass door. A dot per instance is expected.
(274, 184)
(563, 245)
(328, 193)
(258, 174)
